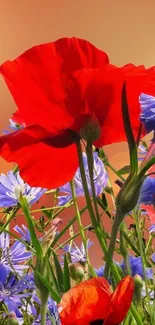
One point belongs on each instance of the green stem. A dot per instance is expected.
(113, 237)
(43, 309)
(9, 217)
(81, 228)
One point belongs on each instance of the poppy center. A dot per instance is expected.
(97, 322)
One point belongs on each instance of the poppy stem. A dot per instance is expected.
(43, 309)
(97, 226)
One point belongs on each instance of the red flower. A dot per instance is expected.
(92, 303)
(60, 88)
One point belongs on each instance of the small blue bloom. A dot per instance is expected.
(136, 267)
(100, 180)
(147, 192)
(13, 127)
(77, 254)
(13, 290)
(11, 185)
(12, 256)
(147, 116)
(142, 151)
(24, 232)
(151, 229)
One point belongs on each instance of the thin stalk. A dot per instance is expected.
(43, 310)
(81, 228)
(9, 217)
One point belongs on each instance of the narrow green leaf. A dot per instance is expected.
(55, 296)
(34, 239)
(129, 134)
(147, 166)
(54, 280)
(59, 273)
(67, 284)
(124, 170)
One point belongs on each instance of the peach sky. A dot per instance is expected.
(123, 29)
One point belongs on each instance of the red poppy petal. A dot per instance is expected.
(85, 302)
(103, 97)
(36, 79)
(40, 163)
(120, 301)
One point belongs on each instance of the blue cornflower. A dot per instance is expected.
(100, 180)
(13, 290)
(147, 192)
(13, 127)
(11, 256)
(24, 232)
(147, 115)
(135, 266)
(11, 185)
(151, 229)
(142, 151)
(77, 254)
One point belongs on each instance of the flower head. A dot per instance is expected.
(13, 290)
(147, 115)
(92, 302)
(11, 185)
(100, 180)
(147, 192)
(136, 267)
(77, 254)
(68, 87)
(14, 126)
(12, 256)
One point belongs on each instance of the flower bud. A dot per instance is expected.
(72, 271)
(127, 197)
(91, 130)
(138, 283)
(79, 273)
(12, 319)
(42, 267)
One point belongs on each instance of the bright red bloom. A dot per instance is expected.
(59, 87)
(92, 303)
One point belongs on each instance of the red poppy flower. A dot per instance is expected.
(59, 89)
(92, 303)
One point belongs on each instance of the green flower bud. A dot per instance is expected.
(42, 267)
(127, 197)
(79, 273)
(72, 271)
(138, 282)
(91, 130)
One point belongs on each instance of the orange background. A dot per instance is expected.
(123, 29)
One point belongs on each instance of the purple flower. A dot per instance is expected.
(100, 180)
(151, 229)
(135, 266)
(142, 151)
(13, 290)
(12, 256)
(147, 116)
(13, 127)
(147, 192)
(11, 185)
(24, 232)
(77, 254)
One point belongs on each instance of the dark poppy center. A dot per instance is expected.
(97, 322)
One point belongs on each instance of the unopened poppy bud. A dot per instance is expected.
(42, 267)
(138, 283)
(72, 271)
(127, 197)
(79, 272)
(91, 130)
(12, 319)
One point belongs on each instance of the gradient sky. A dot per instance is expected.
(123, 29)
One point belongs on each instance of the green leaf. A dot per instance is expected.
(129, 134)
(146, 167)
(54, 280)
(55, 296)
(34, 239)
(59, 273)
(124, 170)
(66, 277)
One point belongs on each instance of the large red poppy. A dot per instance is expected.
(59, 87)
(92, 303)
